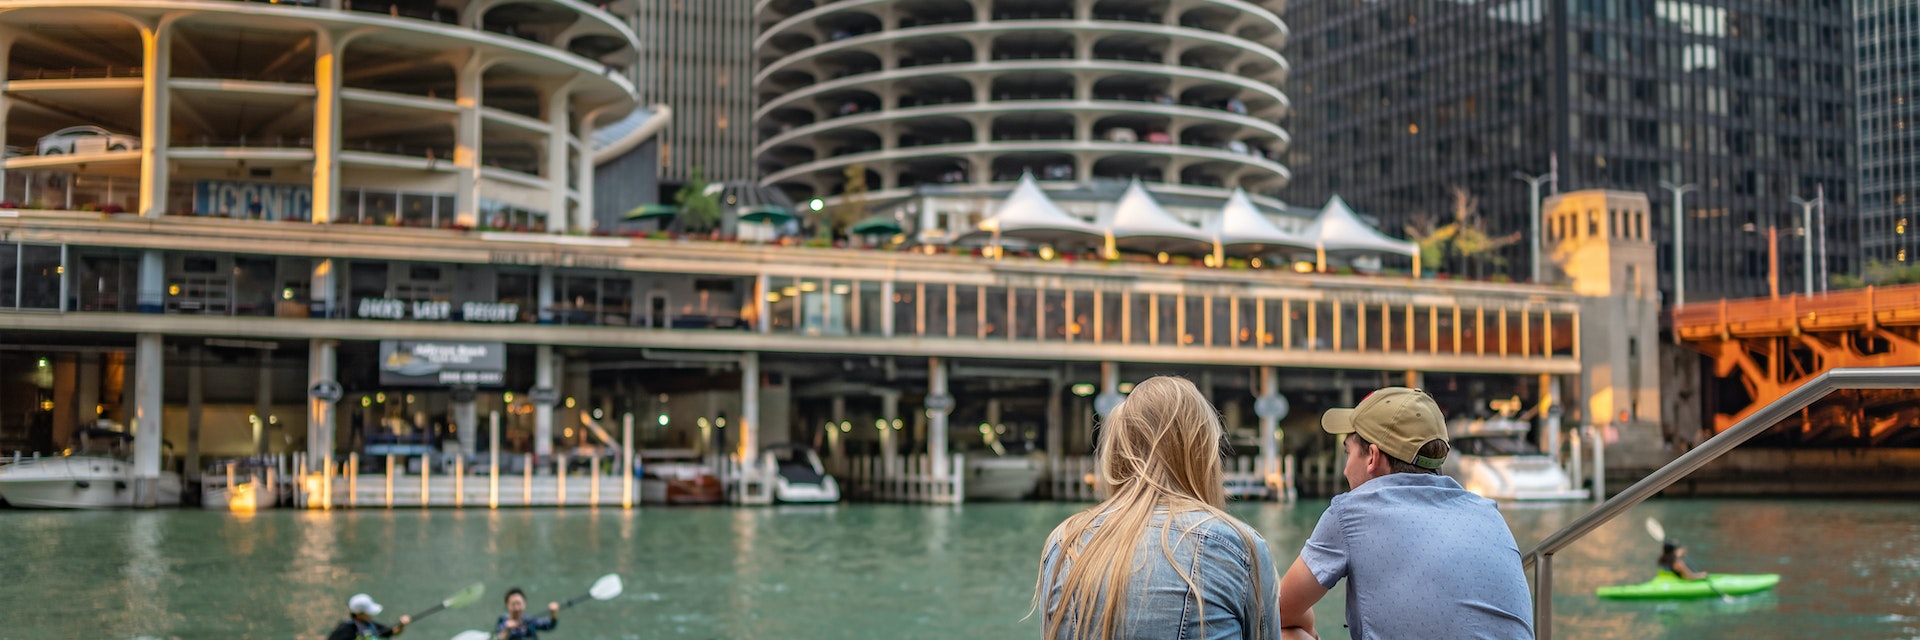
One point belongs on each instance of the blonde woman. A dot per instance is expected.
(1159, 558)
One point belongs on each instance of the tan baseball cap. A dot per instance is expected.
(1397, 419)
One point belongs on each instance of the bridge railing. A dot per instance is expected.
(1849, 308)
(1541, 556)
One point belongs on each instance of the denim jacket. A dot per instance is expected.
(1159, 603)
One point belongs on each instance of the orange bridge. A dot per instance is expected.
(1772, 345)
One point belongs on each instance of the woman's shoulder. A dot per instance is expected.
(1222, 533)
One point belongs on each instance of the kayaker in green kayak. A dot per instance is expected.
(1671, 561)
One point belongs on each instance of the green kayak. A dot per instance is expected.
(1667, 586)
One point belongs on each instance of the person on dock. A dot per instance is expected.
(515, 625)
(1422, 557)
(359, 624)
(1672, 560)
(1159, 558)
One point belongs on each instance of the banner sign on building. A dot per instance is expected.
(253, 200)
(422, 363)
(436, 310)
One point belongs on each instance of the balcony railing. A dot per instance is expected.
(77, 73)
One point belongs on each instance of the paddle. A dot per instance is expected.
(607, 587)
(463, 598)
(1659, 534)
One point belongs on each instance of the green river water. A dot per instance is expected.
(1851, 569)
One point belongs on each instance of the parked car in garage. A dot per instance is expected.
(86, 139)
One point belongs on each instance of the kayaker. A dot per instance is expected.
(515, 625)
(1670, 561)
(1422, 557)
(359, 624)
(1160, 557)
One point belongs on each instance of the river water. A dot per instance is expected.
(1851, 569)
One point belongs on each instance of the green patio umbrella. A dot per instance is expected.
(771, 214)
(880, 225)
(647, 211)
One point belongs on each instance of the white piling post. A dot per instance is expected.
(460, 481)
(493, 456)
(526, 480)
(594, 490)
(353, 479)
(426, 471)
(560, 473)
(626, 462)
(230, 485)
(389, 480)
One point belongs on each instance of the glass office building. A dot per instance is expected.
(1888, 38)
(1399, 102)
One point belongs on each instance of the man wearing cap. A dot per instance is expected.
(360, 612)
(1422, 557)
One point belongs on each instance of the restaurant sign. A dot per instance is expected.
(436, 310)
(428, 363)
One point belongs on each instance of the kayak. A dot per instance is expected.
(1668, 586)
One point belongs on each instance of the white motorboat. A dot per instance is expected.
(79, 482)
(798, 474)
(1493, 458)
(991, 477)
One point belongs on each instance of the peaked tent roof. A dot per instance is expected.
(1338, 229)
(1139, 223)
(1028, 214)
(1244, 230)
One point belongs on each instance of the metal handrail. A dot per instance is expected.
(1742, 431)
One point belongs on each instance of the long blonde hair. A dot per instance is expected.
(1161, 450)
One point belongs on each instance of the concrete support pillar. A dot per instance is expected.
(545, 295)
(886, 309)
(196, 395)
(1056, 425)
(749, 409)
(466, 419)
(86, 397)
(1269, 424)
(1340, 448)
(762, 323)
(542, 412)
(1415, 379)
(836, 438)
(328, 50)
(937, 418)
(466, 140)
(557, 164)
(583, 220)
(155, 116)
(321, 289)
(889, 427)
(1109, 389)
(320, 432)
(1550, 415)
(262, 404)
(149, 374)
(152, 297)
(66, 412)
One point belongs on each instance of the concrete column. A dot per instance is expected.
(6, 107)
(149, 374)
(937, 420)
(153, 282)
(466, 419)
(886, 308)
(763, 323)
(1109, 386)
(1269, 425)
(86, 397)
(66, 411)
(836, 442)
(583, 220)
(328, 51)
(1340, 444)
(321, 289)
(1415, 379)
(196, 394)
(889, 436)
(1056, 425)
(263, 404)
(466, 140)
(155, 116)
(1550, 415)
(545, 295)
(557, 164)
(543, 412)
(320, 431)
(749, 420)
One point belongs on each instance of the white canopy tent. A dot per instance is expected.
(1028, 214)
(1139, 223)
(1338, 230)
(1244, 231)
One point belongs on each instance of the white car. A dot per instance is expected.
(86, 139)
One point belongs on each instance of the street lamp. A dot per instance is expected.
(1533, 205)
(1806, 233)
(1679, 240)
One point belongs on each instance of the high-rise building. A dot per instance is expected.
(1887, 35)
(696, 57)
(1400, 102)
(956, 95)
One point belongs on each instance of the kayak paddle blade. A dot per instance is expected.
(466, 596)
(472, 635)
(607, 587)
(1658, 532)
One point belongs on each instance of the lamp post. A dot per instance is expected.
(1679, 239)
(1806, 236)
(1533, 205)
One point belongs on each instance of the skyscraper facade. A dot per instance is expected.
(696, 57)
(1887, 38)
(1399, 103)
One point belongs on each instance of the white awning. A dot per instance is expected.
(1139, 223)
(1337, 229)
(1028, 214)
(1244, 231)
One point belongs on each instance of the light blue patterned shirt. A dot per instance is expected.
(1422, 558)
